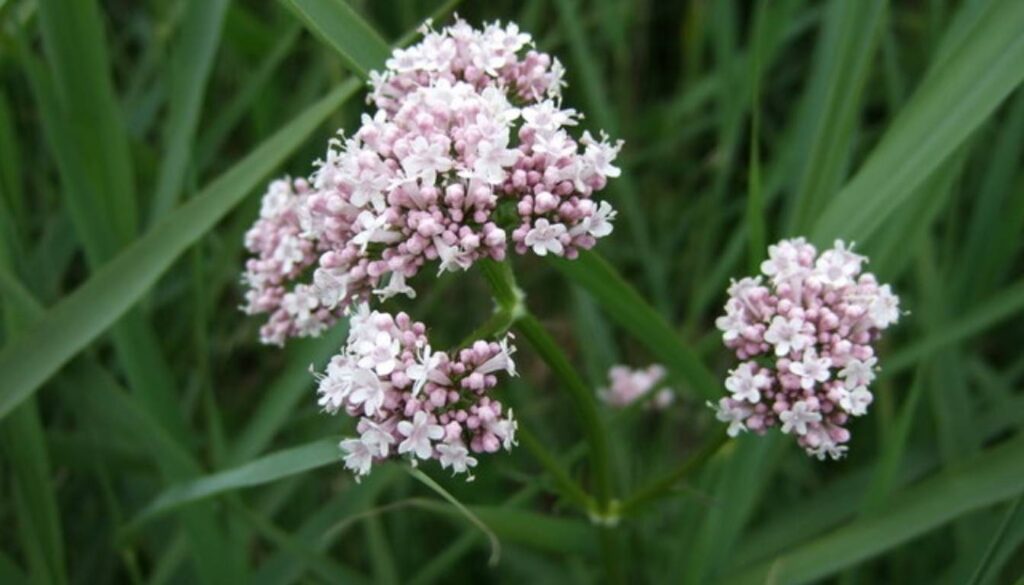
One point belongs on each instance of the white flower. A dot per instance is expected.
(376, 437)
(546, 117)
(425, 160)
(452, 257)
(856, 401)
(426, 369)
(457, 457)
(884, 309)
(300, 303)
(334, 386)
(505, 429)
(330, 286)
(858, 373)
(745, 383)
(358, 456)
(289, 253)
(544, 238)
(823, 446)
(396, 286)
(783, 260)
(374, 229)
(501, 360)
(734, 414)
(787, 335)
(600, 155)
(731, 323)
(838, 267)
(811, 369)
(600, 225)
(378, 353)
(418, 434)
(492, 157)
(797, 417)
(368, 390)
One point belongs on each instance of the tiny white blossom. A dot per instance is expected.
(884, 309)
(376, 437)
(731, 324)
(856, 401)
(358, 456)
(797, 418)
(787, 335)
(379, 353)
(501, 360)
(426, 160)
(367, 390)
(838, 267)
(734, 414)
(426, 370)
(505, 429)
(746, 383)
(457, 457)
(396, 286)
(418, 435)
(858, 373)
(544, 237)
(330, 286)
(811, 369)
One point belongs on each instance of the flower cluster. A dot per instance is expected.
(413, 401)
(468, 152)
(626, 386)
(805, 344)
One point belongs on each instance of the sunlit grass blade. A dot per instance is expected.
(946, 108)
(992, 477)
(90, 310)
(337, 24)
(190, 64)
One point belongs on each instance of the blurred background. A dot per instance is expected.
(176, 449)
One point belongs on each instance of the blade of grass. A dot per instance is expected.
(338, 25)
(945, 109)
(272, 467)
(991, 477)
(98, 303)
(190, 65)
(844, 58)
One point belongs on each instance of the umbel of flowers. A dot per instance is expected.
(469, 152)
(412, 401)
(804, 339)
(627, 385)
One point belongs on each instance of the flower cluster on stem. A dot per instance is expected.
(805, 341)
(468, 153)
(412, 401)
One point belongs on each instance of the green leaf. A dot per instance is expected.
(990, 478)
(335, 23)
(627, 308)
(951, 102)
(83, 315)
(273, 467)
(190, 66)
(844, 57)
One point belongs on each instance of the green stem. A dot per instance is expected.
(510, 298)
(666, 484)
(569, 488)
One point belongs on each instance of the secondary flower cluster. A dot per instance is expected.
(414, 401)
(805, 344)
(626, 386)
(468, 151)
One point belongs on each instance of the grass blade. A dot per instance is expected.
(947, 107)
(97, 304)
(335, 23)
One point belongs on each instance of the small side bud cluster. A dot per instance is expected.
(627, 385)
(805, 344)
(412, 401)
(468, 153)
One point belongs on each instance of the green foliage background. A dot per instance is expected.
(146, 437)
